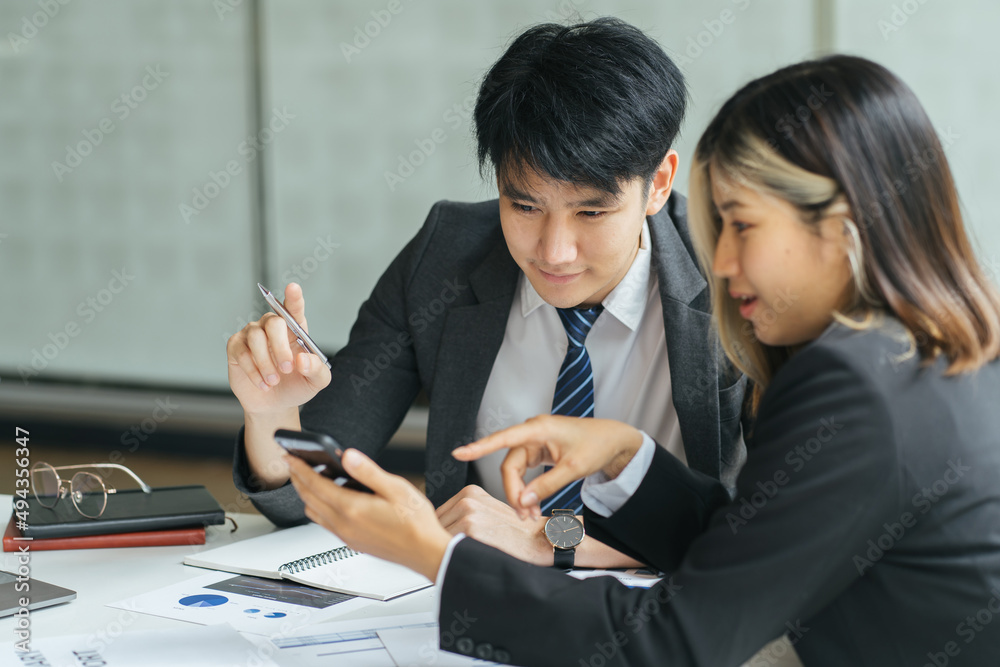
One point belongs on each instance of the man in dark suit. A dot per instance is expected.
(575, 293)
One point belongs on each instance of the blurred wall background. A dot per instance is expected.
(159, 158)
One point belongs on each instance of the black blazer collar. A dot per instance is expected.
(676, 268)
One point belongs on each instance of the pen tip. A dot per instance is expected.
(263, 290)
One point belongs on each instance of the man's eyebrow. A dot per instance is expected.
(513, 192)
(602, 200)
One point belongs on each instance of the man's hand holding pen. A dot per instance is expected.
(268, 371)
(271, 376)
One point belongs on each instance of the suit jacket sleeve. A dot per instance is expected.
(373, 384)
(821, 480)
(677, 500)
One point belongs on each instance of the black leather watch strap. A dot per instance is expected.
(563, 558)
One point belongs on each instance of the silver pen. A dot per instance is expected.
(300, 334)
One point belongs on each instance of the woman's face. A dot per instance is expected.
(788, 277)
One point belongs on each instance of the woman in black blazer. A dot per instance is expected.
(866, 522)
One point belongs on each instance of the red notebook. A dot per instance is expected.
(149, 538)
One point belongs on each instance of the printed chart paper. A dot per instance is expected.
(250, 604)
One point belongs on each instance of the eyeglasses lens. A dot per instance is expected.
(89, 494)
(45, 483)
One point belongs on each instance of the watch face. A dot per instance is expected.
(564, 532)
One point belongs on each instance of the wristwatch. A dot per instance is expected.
(565, 533)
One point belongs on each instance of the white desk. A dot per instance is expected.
(101, 576)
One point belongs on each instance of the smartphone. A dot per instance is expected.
(321, 452)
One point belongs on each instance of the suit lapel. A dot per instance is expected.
(470, 341)
(691, 348)
(472, 335)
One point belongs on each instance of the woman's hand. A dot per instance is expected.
(397, 522)
(575, 447)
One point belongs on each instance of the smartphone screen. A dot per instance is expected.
(321, 452)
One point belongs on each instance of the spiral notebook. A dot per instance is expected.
(313, 556)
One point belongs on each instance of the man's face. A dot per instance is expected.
(573, 243)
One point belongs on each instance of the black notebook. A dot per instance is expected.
(127, 512)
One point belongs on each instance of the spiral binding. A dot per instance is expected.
(318, 560)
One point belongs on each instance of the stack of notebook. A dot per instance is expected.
(167, 516)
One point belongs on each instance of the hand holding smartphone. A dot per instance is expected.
(321, 452)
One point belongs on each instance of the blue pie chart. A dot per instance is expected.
(203, 600)
(275, 614)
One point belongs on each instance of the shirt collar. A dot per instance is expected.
(627, 301)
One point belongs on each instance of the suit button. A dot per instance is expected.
(484, 651)
(464, 645)
(500, 655)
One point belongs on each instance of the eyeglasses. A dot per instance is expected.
(86, 490)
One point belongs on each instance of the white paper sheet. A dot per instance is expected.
(243, 603)
(417, 646)
(354, 642)
(191, 646)
(632, 578)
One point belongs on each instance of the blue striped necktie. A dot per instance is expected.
(574, 396)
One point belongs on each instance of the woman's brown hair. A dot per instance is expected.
(844, 136)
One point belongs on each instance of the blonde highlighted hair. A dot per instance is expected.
(844, 137)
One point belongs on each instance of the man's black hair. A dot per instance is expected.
(594, 104)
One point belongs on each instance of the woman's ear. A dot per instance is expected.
(838, 225)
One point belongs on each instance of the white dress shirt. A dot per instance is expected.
(628, 353)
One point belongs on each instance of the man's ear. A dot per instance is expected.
(663, 183)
